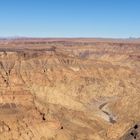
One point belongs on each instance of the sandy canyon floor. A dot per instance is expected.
(69, 89)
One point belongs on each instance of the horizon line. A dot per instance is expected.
(39, 37)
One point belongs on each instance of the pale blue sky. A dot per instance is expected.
(70, 18)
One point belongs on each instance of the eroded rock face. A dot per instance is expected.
(132, 133)
(69, 90)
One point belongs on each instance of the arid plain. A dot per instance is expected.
(69, 89)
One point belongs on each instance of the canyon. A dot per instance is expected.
(69, 89)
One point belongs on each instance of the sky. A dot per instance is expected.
(70, 18)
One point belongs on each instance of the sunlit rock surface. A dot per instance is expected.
(69, 89)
